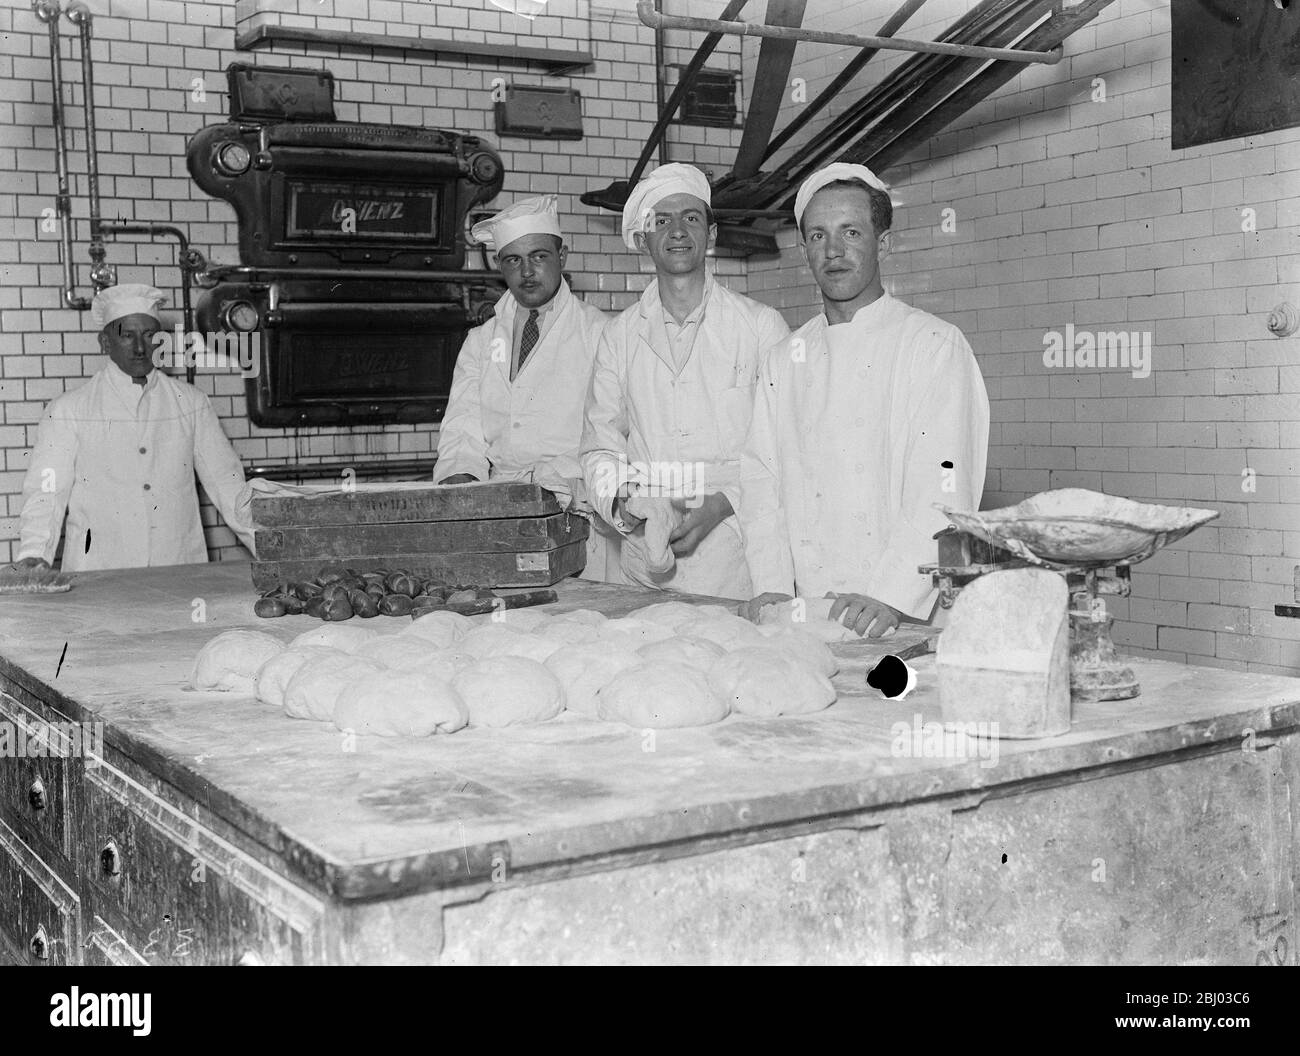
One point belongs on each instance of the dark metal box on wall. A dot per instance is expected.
(540, 113)
(511, 534)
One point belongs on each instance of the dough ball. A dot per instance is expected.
(698, 652)
(397, 651)
(629, 629)
(588, 616)
(494, 639)
(806, 647)
(505, 690)
(571, 633)
(274, 675)
(443, 629)
(445, 664)
(585, 669)
(399, 704)
(810, 615)
(769, 682)
(525, 619)
(714, 610)
(314, 689)
(660, 696)
(671, 614)
(230, 661)
(336, 636)
(728, 631)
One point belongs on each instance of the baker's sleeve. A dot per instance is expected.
(945, 463)
(462, 447)
(221, 472)
(762, 523)
(603, 450)
(47, 486)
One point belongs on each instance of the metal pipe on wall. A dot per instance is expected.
(101, 274)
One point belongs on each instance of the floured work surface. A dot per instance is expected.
(402, 816)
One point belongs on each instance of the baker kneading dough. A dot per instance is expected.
(661, 696)
(230, 661)
(506, 690)
(274, 675)
(586, 668)
(770, 682)
(699, 652)
(810, 615)
(399, 704)
(648, 553)
(443, 629)
(314, 689)
(336, 636)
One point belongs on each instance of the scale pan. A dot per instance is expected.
(1074, 526)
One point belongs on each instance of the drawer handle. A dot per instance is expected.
(110, 859)
(250, 958)
(36, 794)
(40, 944)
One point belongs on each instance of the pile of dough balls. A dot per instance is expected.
(668, 664)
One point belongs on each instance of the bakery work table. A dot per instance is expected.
(216, 830)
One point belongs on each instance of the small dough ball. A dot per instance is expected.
(584, 669)
(629, 629)
(588, 616)
(661, 696)
(334, 636)
(770, 682)
(314, 689)
(698, 652)
(671, 614)
(397, 651)
(712, 611)
(730, 632)
(399, 704)
(806, 647)
(495, 639)
(505, 690)
(274, 675)
(525, 619)
(571, 633)
(230, 661)
(810, 615)
(445, 664)
(443, 629)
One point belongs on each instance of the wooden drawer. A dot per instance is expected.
(40, 916)
(35, 760)
(180, 894)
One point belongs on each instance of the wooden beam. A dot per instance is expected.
(771, 73)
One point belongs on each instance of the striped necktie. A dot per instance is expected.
(529, 338)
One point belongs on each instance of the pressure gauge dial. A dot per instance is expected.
(241, 316)
(232, 159)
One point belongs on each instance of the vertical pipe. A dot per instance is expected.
(101, 275)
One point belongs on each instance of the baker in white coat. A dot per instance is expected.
(119, 455)
(517, 394)
(672, 391)
(867, 416)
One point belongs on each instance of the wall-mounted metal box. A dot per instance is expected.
(540, 113)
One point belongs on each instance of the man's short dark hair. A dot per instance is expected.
(882, 209)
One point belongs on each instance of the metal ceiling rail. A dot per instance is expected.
(650, 17)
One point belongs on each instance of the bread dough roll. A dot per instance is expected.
(445, 664)
(629, 630)
(525, 619)
(770, 682)
(698, 652)
(585, 669)
(314, 689)
(397, 651)
(587, 616)
(506, 690)
(230, 661)
(806, 647)
(274, 675)
(336, 636)
(660, 696)
(671, 614)
(571, 632)
(728, 631)
(810, 615)
(399, 704)
(443, 629)
(495, 639)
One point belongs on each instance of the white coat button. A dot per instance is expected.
(146, 487)
(143, 450)
(860, 467)
(517, 425)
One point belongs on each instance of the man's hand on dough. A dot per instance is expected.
(751, 608)
(698, 522)
(864, 614)
(460, 478)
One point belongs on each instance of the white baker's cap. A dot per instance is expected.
(128, 298)
(531, 216)
(653, 188)
(839, 170)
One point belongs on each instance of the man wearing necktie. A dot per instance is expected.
(516, 405)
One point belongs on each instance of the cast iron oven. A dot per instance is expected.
(352, 251)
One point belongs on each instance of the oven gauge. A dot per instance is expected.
(232, 159)
(241, 316)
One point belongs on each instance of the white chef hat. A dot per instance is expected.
(127, 298)
(654, 187)
(839, 170)
(531, 216)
